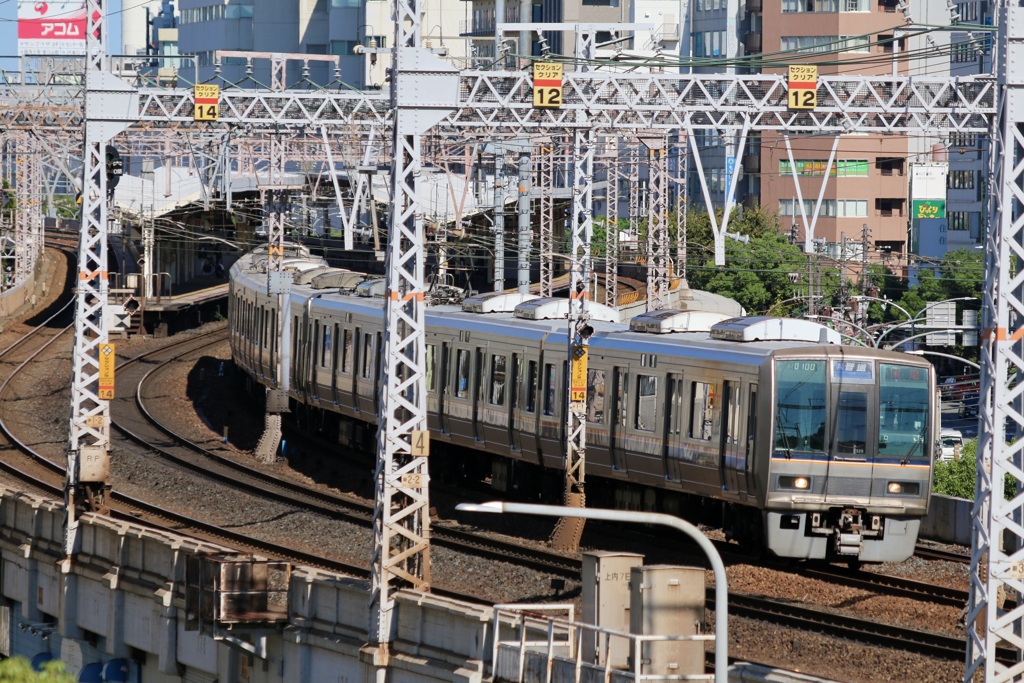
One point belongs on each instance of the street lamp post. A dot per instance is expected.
(912, 321)
(721, 584)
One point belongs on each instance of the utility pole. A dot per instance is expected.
(864, 234)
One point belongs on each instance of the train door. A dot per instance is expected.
(444, 387)
(732, 447)
(751, 439)
(309, 373)
(674, 448)
(357, 363)
(477, 380)
(853, 401)
(496, 400)
(619, 418)
(336, 343)
(514, 397)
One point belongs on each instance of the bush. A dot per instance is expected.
(19, 670)
(957, 477)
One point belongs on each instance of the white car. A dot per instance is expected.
(952, 442)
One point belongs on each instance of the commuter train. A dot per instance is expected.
(806, 447)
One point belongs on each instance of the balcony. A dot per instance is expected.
(751, 163)
(755, 6)
(469, 29)
(752, 43)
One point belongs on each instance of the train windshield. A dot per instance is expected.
(903, 401)
(801, 405)
(806, 422)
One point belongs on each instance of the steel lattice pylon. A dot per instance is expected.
(657, 224)
(88, 460)
(568, 531)
(545, 245)
(997, 550)
(611, 232)
(278, 284)
(633, 175)
(401, 518)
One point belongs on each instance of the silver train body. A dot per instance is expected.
(813, 449)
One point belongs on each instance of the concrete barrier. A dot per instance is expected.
(948, 520)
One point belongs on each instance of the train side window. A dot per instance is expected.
(675, 405)
(334, 351)
(461, 373)
(733, 403)
(263, 326)
(595, 396)
(325, 347)
(531, 386)
(346, 353)
(702, 404)
(497, 397)
(646, 403)
(751, 417)
(549, 389)
(315, 346)
(513, 385)
(621, 396)
(367, 354)
(429, 364)
(273, 336)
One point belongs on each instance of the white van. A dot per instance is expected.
(952, 442)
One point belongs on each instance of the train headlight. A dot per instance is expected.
(799, 483)
(904, 488)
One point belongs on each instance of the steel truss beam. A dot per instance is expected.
(503, 100)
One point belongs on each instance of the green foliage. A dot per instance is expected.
(956, 477)
(19, 670)
(66, 206)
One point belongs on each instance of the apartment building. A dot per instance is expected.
(325, 27)
(868, 183)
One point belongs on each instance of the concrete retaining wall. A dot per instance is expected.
(948, 520)
(120, 605)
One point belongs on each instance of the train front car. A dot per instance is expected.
(851, 454)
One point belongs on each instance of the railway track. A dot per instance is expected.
(145, 369)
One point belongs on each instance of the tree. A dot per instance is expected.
(957, 477)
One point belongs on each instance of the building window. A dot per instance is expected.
(816, 167)
(343, 48)
(959, 220)
(790, 207)
(961, 180)
(968, 12)
(888, 207)
(889, 165)
(855, 44)
(237, 11)
(856, 6)
(852, 208)
(809, 44)
(815, 6)
(963, 139)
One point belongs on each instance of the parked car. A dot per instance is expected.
(952, 441)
